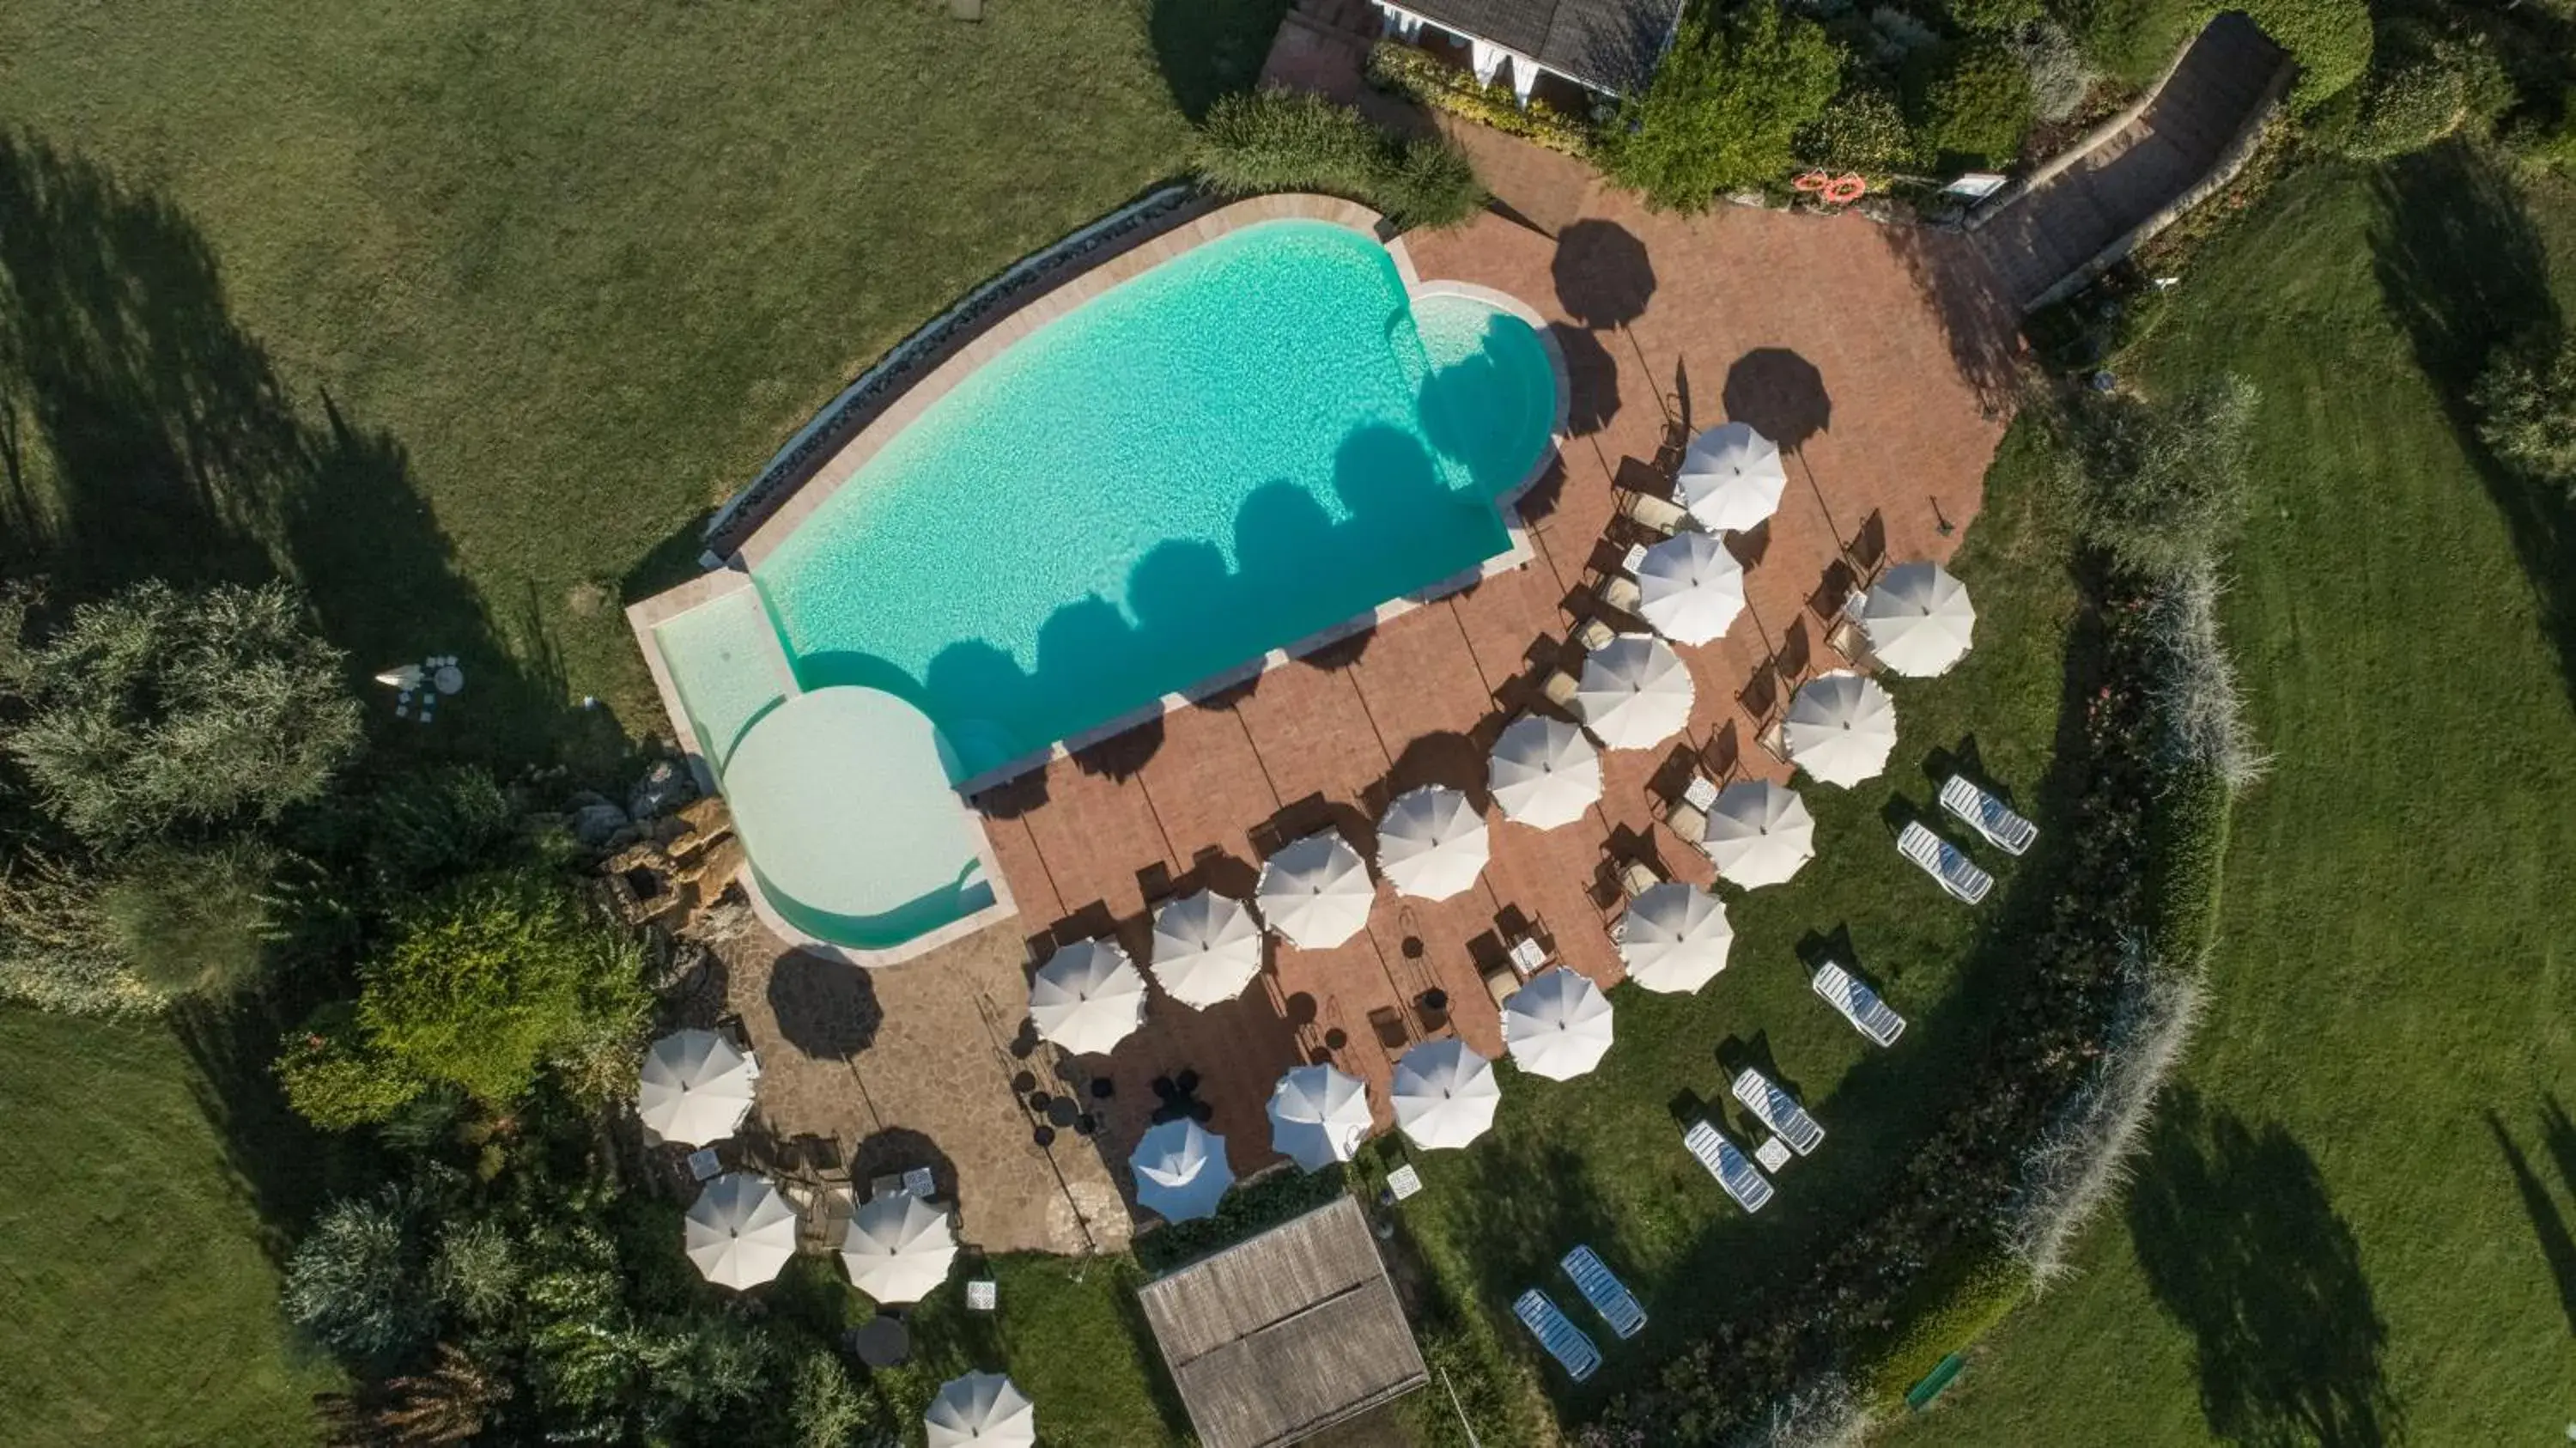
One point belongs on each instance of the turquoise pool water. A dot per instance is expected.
(1231, 452)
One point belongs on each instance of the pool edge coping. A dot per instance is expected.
(1188, 234)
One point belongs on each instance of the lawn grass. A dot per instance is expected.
(141, 1297)
(2352, 1222)
(1599, 1159)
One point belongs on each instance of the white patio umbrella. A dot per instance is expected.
(739, 1231)
(1316, 892)
(981, 1410)
(1918, 619)
(696, 1088)
(1431, 843)
(1180, 1171)
(1207, 948)
(1558, 1025)
(1731, 477)
(1759, 833)
(1675, 938)
(1841, 727)
(1635, 692)
(1444, 1094)
(899, 1248)
(1087, 997)
(1690, 588)
(1543, 772)
(1318, 1116)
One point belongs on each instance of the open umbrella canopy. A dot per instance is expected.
(1318, 1116)
(1558, 1025)
(981, 1410)
(1087, 997)
(1759, 834)
(1543, 772)
(1841, 727)
(1731, 477)
(1180, 1170)
(1918, 619)
(1635, 692)
(739, 1231)
(1316, 891)
(1675, 938)
(1690, 588)
(1444, 1094)
(1207, 948)
(696, 1088)
(1431, 843)
(899, 1248)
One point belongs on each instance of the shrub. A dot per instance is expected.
(1414, 74)
(333, 1080)
(1279, 141)
(2161, 486)
(1997, 17)
(429, 824)
(1244, 1212)
(477, 1271)
(2526, 411)
(2421, 89)
(1723, 109)
(1863, 129)
(824, 1408)
(1972, 103)
(2330, 39)
(2132, 39)
(158, 709)
(58, 951)
(2059, 79)
(1949, 1307)
(2193, 680)
(353, 1283)
(192, 921)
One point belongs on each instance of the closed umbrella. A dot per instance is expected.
(899, 1248)
(1087, 997)
(1543, 772)
(1316, 892)
(1558, 1025)
(739, 1231)
(981, 1410)
(1180, 1171)
(1318, 1116)
(1431, 843)
(1918, 619)
(1635, 692)
(1444, 1094)
(1841, 727)
(1759, 834)
(1675, 938)
(1207, 948)
(1690, 588)
(1731, 477)
(696, 1088)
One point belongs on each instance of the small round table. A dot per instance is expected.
(881, 1341)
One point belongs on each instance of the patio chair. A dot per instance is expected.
(1945, 862)
(1560, 689)
(1500, 982)
(1859, 1004)
(1660, 515)
(1557, 1333)
(1593, 634)
(1778, 1110)
(1847, 639)
(1388, 1023)
(1732, 1168)
(1618, 592)
(1636, 877)
(1608, 1295)
(1981, 811)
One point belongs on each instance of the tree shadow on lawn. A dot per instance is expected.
(1209, 49)
(2240, 1243)
(2466, 274)
(2549, 1222)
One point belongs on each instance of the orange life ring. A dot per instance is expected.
(1846, 189)
(1812, 181)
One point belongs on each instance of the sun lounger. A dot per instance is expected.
(1944, 862)
(1775, 1108)
(1648, 511)
(1987, 815)
(1557, 1333)
(1608, 1295)
(1859, 1004)
(1733, 1170)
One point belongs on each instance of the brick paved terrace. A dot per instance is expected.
(1870, 353)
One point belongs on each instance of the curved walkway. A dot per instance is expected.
(2074, 217)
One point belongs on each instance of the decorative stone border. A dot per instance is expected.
(782, 503)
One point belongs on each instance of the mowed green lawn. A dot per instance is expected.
(2354, 1223)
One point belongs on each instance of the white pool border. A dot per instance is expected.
(644, 616)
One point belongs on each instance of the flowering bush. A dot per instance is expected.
(1423, 79)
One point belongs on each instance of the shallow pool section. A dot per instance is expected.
(1245, 446)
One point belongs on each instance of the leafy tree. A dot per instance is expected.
(353, 1284)
(825, 1409)
(1725, 105)
(2526, 406)
(1862, 130)
(2423, 86)
(158, 709)
(1293, 141)
(1973, 103)
(2162, 486)
(192, 921)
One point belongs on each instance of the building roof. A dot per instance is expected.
(1287, 1334)
(1610, 44)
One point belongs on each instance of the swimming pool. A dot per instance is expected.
(1262, 438)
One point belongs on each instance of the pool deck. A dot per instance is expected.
(1877, 355)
